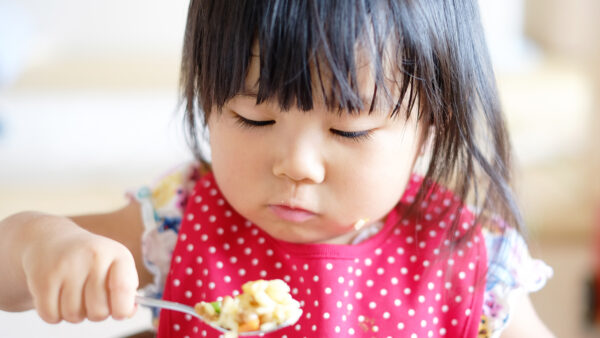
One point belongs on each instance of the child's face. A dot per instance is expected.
(309, 176)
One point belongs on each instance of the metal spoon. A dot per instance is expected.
(151, 302)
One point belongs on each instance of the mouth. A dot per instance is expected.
(291, 214)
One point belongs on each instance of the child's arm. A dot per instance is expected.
(524, 321)
(70, 268)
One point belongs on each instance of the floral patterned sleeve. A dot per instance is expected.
(511, 270)
(162, 206)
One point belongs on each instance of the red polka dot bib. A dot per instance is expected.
(402, 282)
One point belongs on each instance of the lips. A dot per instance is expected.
(291, 214)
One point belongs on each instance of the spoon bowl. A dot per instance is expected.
(163, 304)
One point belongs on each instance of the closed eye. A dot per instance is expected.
(353, 135)
(247, 123)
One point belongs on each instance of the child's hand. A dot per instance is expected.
(73, 274)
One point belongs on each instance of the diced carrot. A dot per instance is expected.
(250, 325)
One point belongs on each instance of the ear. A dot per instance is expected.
(423, 150)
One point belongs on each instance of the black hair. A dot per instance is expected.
(438, 56)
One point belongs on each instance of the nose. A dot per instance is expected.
(300, 159)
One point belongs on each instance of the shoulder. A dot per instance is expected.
(512, 275)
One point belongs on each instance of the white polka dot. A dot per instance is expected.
(372, 305)
(430, 286)
(176, 282)
(411, 312)
(350, 331)
(400, 251)
(220, 231)
(329, 266)
(190, 247)
(461, 275)
(197, 227)
(413, 258)
(430, 310)
(421, 245)
(339, 304)
(370, 283)
(378, 251)
(204, 237)
(368, 262)
(176, 327)
(212, 218)
(442, 331)
(188, 271)
(425, 263)
(435, 320)
(467, 312)
(241, 272)
(219, 265)
(391, 260)
(386, 315)
(316, 303)
(328, 290)
(255, 261)
(211, 285)
(233, 259)
(358, 272)
(227, 213)
(407, 291)
(337, 329)
(269, 252)
(198, 199)
(409, 239)
(188, 294)
(421, 299)
(227, 279)
(326, 315)
(404, 271)
(471, 266)
(454, 322)
(315, 278)
(287, 278)
(240, 241)
(263, 273)
(177, 259)
(190, 217)
(212, 249)
(305, 267)
(397, 302)
(444, 308)
(458, 299)
(199, 283)
(358, 295)
(380, 271)
(394, 281)
(341, 280)
(423, 323)
(383, 292)
(416, 277)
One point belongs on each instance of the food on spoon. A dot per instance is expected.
(263, 305)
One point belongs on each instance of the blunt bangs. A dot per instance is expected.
(308, 50)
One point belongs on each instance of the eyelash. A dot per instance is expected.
(356, 136)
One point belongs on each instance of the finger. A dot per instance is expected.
(95, 296)
(71, 301)
(122, 286)
(45, 298)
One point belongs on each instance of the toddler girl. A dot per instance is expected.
(358, 152)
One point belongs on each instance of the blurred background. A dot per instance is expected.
(88, 102)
